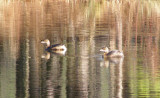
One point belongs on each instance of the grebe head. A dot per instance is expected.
(105, 49)
(46, 41)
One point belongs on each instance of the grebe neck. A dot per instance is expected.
(48, 44)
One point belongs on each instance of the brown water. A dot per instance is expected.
(27, 70)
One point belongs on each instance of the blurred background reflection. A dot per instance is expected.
(84, 26)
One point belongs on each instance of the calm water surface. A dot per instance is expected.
(27, 70)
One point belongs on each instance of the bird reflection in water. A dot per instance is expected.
(111, 60)
(47, 55)
(115, 74)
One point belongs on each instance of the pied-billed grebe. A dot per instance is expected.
(56, 47)
(113, 53)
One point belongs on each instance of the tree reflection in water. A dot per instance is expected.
(84, 27)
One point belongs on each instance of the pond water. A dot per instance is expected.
(84, 27)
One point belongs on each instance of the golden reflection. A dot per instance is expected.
(84, 26)
(83, 68)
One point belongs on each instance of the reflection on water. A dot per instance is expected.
(27, 70)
